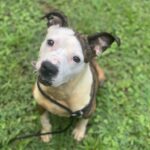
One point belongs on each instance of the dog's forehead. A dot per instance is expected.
(57, 31)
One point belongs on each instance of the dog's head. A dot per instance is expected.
(64, 53)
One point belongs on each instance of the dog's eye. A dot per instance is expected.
(76, 59)
(50, 42)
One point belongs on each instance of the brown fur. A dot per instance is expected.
(99, 70)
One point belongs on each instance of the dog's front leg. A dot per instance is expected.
(46, 127)
(80, 129)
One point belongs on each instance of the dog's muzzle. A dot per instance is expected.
(46, 72)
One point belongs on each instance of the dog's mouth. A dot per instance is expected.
(44, 81)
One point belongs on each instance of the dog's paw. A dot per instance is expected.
(78, 134)
(46, 138)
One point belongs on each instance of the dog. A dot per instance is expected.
(68, 73)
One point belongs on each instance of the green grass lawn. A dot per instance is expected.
(122, 118)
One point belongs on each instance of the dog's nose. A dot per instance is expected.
(48, 69)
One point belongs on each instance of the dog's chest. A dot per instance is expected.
(58, 96)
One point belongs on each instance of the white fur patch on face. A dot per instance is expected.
(61, 53)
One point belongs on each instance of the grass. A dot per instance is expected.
(122, 118)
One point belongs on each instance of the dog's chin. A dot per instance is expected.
(45, 82)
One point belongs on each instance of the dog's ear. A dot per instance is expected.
(99, 42)
(56, 18)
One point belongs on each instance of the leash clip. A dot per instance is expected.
(78, 114)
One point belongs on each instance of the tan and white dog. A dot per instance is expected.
(68, 72)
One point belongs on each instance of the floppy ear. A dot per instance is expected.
(56, 18)
(99, 42)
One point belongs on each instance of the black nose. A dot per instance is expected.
(48, 69)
